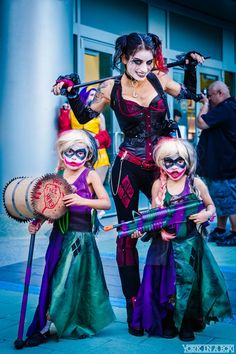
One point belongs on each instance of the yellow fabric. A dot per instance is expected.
(103, 159)
(92, 126)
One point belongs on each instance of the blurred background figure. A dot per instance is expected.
(64, 120)
(182, 128)
(96, 127)
(217, 157)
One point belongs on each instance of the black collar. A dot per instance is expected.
(129, 77)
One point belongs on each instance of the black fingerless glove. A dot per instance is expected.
(69, 80)
(191, 66)
(188, 89)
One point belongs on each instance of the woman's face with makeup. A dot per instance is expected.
(140, 64)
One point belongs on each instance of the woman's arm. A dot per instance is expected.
(102, 96)
(82, 112)
(188, 89)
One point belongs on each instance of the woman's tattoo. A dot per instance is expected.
(99, 94)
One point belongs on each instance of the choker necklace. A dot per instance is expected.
(133, 84)
(129, 77)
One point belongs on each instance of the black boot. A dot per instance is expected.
(168, 326)
(138, 332)
(198, 325)
(36, 339)
(186, 333)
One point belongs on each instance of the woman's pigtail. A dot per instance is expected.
(120, 47)
(159, 60)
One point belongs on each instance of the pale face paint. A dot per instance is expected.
(140, 64)
(175, 167)
(76, 156)
(91, 96)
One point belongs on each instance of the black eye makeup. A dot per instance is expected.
(139, 62)
(179, 162)
(80, 153)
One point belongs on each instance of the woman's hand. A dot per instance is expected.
(200, 217)
(56, 89)
(34, 227)
(73, 199)
(67, 82)
(194, 58)
(136, 234)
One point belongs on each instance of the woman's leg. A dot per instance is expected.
(125, 185)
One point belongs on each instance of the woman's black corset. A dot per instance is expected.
(142, 124)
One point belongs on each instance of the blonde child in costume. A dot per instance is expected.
(97, 127)
(182, 288)
(73, 293)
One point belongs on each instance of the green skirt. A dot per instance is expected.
(80, 300)
(200, 286)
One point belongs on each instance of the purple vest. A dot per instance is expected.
(80, 216)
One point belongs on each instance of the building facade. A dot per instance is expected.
(42, 39)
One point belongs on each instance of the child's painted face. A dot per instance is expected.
(175, 167)
(140, 64)
(76, 156)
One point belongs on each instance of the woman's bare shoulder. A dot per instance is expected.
(162, 76)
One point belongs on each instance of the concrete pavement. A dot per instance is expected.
(115, 339)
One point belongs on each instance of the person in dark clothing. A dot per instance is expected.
(217, 157)
(138, 100)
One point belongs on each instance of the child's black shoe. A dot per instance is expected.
(36, 339)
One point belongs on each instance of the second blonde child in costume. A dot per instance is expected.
(183, 288)
(73, 293)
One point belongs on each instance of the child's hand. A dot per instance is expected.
(73, 199)
(34, 227)
(136, 234)
(166, 236)
(200, 217)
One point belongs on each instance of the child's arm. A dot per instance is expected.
(206, 214)
(155, 191)
(102, 202)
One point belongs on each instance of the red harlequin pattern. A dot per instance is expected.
(125, 191)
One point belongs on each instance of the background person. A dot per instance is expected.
(217, 157)
(182, 128)
(96, 127)
(64, 119)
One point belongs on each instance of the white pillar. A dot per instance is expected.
(36, 46)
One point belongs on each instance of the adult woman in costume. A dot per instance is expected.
(139, 102)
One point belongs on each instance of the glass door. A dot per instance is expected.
(188, 108)
(98, 65)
